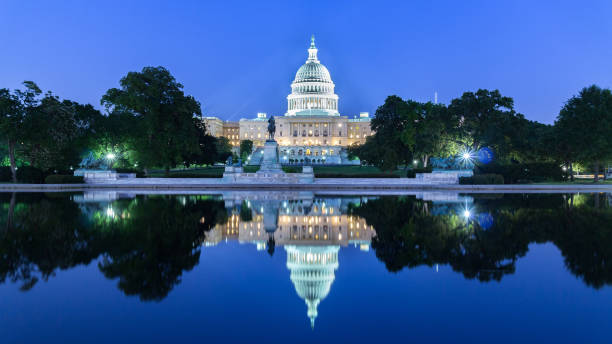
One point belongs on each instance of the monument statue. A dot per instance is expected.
(271, 127)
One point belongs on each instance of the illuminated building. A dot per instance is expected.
(312, 130)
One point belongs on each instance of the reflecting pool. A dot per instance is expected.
(101, 267)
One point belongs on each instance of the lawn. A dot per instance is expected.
(320, 172)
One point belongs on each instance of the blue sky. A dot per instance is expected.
(239, 57)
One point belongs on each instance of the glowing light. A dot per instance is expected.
(110, 156)
(467, 157)
(467, 214)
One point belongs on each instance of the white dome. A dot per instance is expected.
(312, 72)
(312, 90)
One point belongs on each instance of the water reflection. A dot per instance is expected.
(147, 242)
(311, 229)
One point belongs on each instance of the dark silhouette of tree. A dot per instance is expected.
(149, 250)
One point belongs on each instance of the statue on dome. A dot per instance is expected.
(271, 128)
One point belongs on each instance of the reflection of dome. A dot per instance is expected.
(312, 273)
(312, 90)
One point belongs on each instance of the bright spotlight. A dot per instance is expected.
(466, 214)
(110, 156)
(467, 157)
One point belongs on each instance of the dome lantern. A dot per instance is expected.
(312, 90)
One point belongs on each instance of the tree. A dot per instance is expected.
(116, 133)
(206, 153)
(394, 138)
(246, 148)
(165, 114)
(584, 126)
(223, 148)
(57, 133)
(14, 108)
(485, 119)
(433, 135)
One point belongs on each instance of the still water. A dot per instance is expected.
(102, 267)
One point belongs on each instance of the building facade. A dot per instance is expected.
(312, 130)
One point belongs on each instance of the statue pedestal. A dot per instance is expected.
(270, 162)
(270, 171)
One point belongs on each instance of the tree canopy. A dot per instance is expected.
(584, 127)
(168, 134)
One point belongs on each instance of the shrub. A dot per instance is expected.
(356, 175)
(521, 173)
(29, 174)
(250, 168)
(63, 179)
(194, 175)
(292, 169)
(482, 179)
(5, 174)
(139, 173)
(412, 173)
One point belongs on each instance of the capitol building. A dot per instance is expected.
(312, 130)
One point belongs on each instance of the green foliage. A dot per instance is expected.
(63, 179)
(251, 168)
(482, 179)
(583, 127)
(246, 148)
(292, 169)
(14, 109)
(168, 134)
(435, 133)
(524, 173)
(205, 172)
(485, 119)
(223, 149)
(56, 133)
(117, 133)
(394, 138)
(355, 175)
(30, 175)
